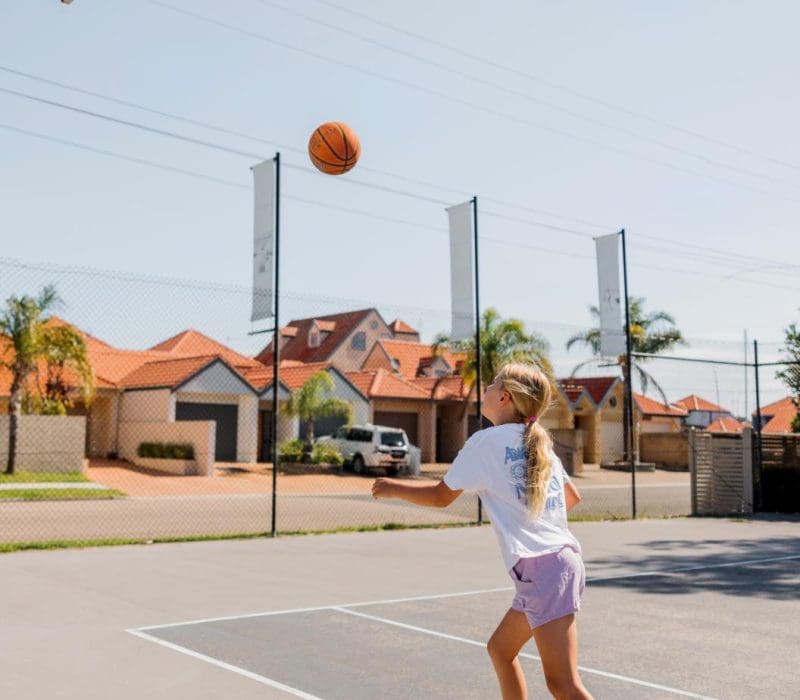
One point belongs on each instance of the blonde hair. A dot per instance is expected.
(531, 392)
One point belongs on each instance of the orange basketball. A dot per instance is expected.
(334, 148)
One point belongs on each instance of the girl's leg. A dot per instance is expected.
(557, 642)
(503, 647)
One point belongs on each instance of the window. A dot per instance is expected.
(359, 435)
(373, 324)
(393, 439)
(359, 341)
(313, 339)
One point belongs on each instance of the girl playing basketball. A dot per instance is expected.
(527, 494)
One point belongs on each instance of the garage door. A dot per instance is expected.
(612, 445)
(227, 419)
(392, 419)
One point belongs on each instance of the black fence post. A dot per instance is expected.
(758, 455)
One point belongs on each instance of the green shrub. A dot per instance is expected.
(326, 454)
(166, 450)
(291, 451)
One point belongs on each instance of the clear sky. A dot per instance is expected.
(674, 120)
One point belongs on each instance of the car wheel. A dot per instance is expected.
(392, 471)
(358, 465)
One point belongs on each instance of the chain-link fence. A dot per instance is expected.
(176, 438)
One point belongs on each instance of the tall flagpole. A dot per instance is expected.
(477, 329)
(629, 378)
(276, 343)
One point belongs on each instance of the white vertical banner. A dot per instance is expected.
(462, 271)
(263, 239)
(612, 335)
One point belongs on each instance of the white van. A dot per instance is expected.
(367, 446)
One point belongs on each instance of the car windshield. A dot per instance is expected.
(393, 439)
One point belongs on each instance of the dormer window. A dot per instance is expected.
(359, 341)
(313, 339)
(395, 364)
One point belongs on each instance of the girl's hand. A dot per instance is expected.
(382, 488)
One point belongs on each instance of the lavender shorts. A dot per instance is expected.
(548, 586)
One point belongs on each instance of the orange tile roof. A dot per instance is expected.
(193, 343)
(382, 384)
(446, 388)
(166, 373)
(112, 365)
(655, 408)
(595, 387)
(296, 347)
(167, 364)
(398, 326)
(410, 355)
(291, 374)
(7, 353)
(778, 416)
(725, 425)
(327, 326)
(697, 403)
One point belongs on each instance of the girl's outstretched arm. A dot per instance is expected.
(572, 495)
(436, 495)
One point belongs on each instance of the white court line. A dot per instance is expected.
(228, 667)
(318, 608)
(472, 642)
(456, 595)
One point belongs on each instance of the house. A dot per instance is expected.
(292, 376)
(701, 413)
(593, 406)
(777, 417)
(656, 417)
(187, 378)
(342, 340)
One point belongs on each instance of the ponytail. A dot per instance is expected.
(538, 446)
(531, 393)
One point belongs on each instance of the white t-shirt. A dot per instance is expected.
(493, 464)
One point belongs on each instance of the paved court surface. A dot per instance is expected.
(674, 608)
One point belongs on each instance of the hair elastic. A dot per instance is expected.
(532, 419)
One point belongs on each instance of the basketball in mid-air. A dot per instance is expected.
(334, 148)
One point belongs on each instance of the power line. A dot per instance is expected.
(558, 86)
(526, 96)
(467, 103)
(381, 188)
(223, 130)
(112, 154)
(744, 258)
(525, 222)
(133, 125)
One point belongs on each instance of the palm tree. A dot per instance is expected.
(313, 400)
(30, 339)
(502, 341)
(648, 335)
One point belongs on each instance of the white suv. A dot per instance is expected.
(367, 446)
